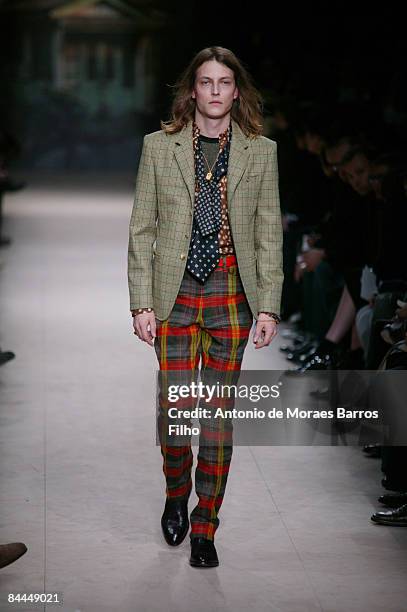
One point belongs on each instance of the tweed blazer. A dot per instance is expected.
(161, 220)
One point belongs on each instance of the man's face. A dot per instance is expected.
(313, 143)
(279, 120)
(214, 89)
(334, 157)
(357, 174)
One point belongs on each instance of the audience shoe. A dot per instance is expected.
(302, 353)
(393, 500)
(174, 521)
(11, 552)
(368, 448)
(6, 356)
(317, 362)
(397, 517)
(373, 450)
(203, 553)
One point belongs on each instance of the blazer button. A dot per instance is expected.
(182, 256)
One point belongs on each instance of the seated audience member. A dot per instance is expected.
(346, 256)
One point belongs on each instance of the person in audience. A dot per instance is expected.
(362, 229)
(348, 260)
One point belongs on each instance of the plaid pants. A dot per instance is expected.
(209, 323)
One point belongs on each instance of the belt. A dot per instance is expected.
(226, 261)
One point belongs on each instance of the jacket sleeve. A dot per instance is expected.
(269, 237)
(142, 232)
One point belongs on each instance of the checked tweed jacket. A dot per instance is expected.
(161, 220)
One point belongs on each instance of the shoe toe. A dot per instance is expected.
(203, 553)
(175, 523)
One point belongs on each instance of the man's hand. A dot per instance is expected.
(145, 327)
(265, 331)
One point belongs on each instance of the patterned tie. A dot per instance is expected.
(204, 254)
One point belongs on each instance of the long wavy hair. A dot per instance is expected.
(247, 109)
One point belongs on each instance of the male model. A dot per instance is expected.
(205, 257)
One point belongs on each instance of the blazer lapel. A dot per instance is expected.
(184, 154)
(238, 159)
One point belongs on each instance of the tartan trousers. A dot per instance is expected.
(209, 325)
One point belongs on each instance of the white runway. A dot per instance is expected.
(81, 480)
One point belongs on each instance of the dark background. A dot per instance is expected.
(319, 59)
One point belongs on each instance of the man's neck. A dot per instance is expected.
(211, 127)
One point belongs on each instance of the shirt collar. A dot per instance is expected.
(223, 137)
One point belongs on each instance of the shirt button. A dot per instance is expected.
(186, 235)
(182, 256)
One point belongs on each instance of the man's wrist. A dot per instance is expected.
(273, 316)
(136, 311)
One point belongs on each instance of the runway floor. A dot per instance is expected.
(81, 480)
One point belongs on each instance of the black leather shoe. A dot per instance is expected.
(316, 363)
(397, 517)
(11, 552)
(393, 500)
(5, 241)
(174, 521)
(203, 553)
(6, 356)
(373, 450)
(302, 353)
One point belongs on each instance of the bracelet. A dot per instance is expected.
(140, 310)
(275, 317)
